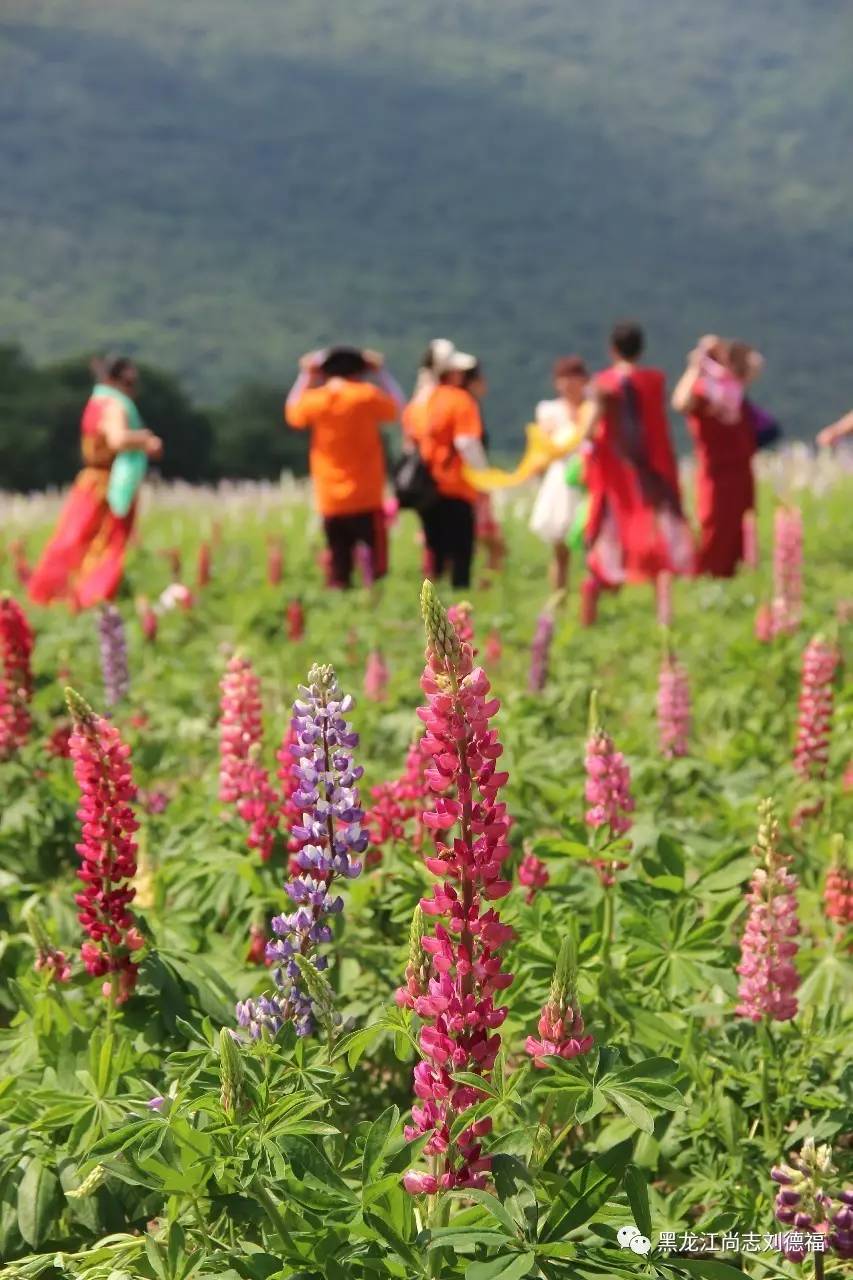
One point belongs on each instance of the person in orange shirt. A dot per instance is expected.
(448, 431)
(334, 399)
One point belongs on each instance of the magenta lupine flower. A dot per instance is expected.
(749, 540)
(376, 677)
(330, 836)
(763, 627)
(399, 805)
(364, 563)
(769, 981)
(533, 874)
(838, 886)
(289, 784)
(561, 1026)
(107, 849)
(243, 779)
(113, 650)
(663, 598)
(608, 794)
(540, 651)
(16, 680)
(462, 617)
(494, 647)
(460, 1018)
(673, 708)
(203, 564)
(814, 720)
(787, 569)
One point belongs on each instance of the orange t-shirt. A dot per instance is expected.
(434, 424)
(346, 458)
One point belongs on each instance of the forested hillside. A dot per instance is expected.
(219, 186)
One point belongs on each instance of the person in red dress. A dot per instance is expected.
(635, 529)
(712, 395)
(83, 562)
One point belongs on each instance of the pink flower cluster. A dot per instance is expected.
(814, 719)
(243, 780)
(608, 794)
(561, 1026)
(376, 677)
(462, 617)
(289, 783)
(769, 981)
(673, 707)
(838, 887)
(107, 849)
(533, 874)
(787, 569)
(457, 1003)
(16, 680)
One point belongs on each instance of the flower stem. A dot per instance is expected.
(766, 1054)
(606, 926)
(272, 1211)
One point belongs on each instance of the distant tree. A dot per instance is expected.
(252, 441)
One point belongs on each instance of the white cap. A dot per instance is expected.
(461, 362)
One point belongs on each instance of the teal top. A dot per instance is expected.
(129, 467)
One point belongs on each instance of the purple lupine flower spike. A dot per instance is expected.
(114, 668)
(331, 836)
(540, 650)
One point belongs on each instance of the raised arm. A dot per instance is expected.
(838, 431)
(121, 438)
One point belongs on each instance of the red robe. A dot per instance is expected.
(725, 489)
(83, 562)
(635, 529)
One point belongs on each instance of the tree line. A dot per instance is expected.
(41, 405)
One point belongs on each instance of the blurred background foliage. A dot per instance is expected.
(217, 187)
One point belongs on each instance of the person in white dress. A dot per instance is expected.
(564, 419)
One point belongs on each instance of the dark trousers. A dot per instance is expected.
(344, 533)
(449, 532)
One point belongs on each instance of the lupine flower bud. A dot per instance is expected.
(49, 959)
(540, 651)
(23, 570)
(16, 680)
(376, 677)
(295, 617)
(442, 636)
(673, 707)
(107, 849)
(814, 721)
(460, 1019)
(803, 1199)
(561, 1028)
(532, 873)
(173, 557)
(275, 561)
(838, 889)
(148, 619)
(230, 1072)
(419, 967)
(769, 980)
(113, 648)
(203, 565)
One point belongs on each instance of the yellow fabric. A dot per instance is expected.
(539, 452)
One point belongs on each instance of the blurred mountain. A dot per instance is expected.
(218, 186)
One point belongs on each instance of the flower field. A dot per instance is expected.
(380, 934)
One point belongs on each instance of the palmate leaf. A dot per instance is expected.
(584, 1191)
